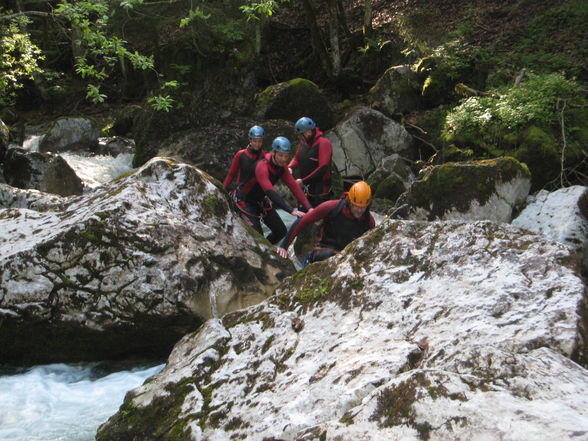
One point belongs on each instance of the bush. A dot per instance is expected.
(534, 101)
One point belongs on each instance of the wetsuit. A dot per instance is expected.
(339, 228)
(313, 161)
(257, 198)
(243, 166)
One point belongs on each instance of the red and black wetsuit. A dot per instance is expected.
(313, 161)
(251, 197)
(243, 166)
(339, 228)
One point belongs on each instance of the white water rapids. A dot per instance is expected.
(61, 402)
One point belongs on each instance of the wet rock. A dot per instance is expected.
(362, 140)
(487, 189)
(41, 171)
(67, 134)
(417, 330)
(127, 268)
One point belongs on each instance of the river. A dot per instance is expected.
(67, 402)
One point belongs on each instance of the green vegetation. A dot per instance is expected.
(19, 58)
(511, 108)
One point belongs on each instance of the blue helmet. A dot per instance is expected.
(281, 144)
(256, 132)
(304, 124)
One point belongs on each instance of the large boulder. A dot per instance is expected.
(12, 197)
(488, 189)
(128, 268)
(68, 134)
(416, 331)
(46, 172)
(561, 215)
(363, 139)
(212, 148)
(397, 91)
(293, 99)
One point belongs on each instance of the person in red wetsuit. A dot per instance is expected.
(343, 221)
(313, 161)
(243, 165)
(257, 198)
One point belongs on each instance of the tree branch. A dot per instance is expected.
(20, 14)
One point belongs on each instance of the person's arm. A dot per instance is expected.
(324, 162)
(232, 171)
(294, 162)
(372, 222)
(290, 182)
(315, 215)
(262, 176)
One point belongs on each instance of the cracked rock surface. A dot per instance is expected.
(128, 267)
(416, 331)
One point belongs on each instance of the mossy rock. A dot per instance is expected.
(541, 152)
(390, 188)
(455, 185)
(397, 91)
(293, 99)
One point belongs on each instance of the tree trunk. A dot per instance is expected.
(318, 45)
(368, 31)
(334, 38)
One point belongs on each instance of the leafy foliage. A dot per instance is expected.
(19, 59)
(512, 107)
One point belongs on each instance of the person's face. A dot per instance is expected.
(256, 143)
(281, 158)
(356, 211)
(305, 137)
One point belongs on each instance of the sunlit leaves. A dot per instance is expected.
(19, 59)
(509, 108)
(93, 94)
(161, 102)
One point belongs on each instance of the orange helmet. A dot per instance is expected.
(360, 194)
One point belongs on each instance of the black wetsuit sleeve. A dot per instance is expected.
(279, 201)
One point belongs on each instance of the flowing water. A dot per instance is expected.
(60, 402)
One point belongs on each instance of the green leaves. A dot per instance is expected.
(513, 107)
(162, 103)
(93, 94)
(19, 59)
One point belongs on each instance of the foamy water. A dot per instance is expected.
(61, 402)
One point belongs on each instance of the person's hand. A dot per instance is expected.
(282, 252)
(300, 183)
(297, 213)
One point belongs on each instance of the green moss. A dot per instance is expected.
(92, 236)
(124, 175)
(539, 150)
(267, 344)
(214, 205)
(455, 185)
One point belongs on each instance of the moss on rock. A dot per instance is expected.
(295, 98)
(456, 185)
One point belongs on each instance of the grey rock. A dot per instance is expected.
(68, 134)
(417, 330)
(41, 171)
(561, 215)
(476, 190)
(127, 268)
(363, 139)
